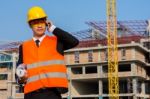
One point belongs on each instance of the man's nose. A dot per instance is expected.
(40, 24)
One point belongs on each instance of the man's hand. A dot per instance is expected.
(49, 24)
(22, 80)
(21, 72)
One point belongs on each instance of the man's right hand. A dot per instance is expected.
(22, 80)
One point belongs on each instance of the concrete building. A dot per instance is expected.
(87, 64)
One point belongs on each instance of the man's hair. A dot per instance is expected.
(36, 19)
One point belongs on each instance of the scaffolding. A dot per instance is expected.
(128, 31)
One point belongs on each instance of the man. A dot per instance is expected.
(42, 58)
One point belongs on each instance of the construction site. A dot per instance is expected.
(87, 63)
(111, 61)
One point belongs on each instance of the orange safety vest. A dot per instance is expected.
(45, 66)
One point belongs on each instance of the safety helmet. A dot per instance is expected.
(36, 12)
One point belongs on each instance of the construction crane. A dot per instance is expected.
(112, 50)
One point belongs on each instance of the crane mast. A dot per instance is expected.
(113, 82)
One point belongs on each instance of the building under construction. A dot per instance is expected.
(87, 64)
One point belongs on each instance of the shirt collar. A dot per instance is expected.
(40, 39)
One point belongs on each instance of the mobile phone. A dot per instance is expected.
(48, 24)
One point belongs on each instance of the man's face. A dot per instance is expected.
(38, 27)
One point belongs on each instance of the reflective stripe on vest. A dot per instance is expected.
(47, 75)
(45, 63)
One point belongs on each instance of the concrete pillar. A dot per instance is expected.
(83, 69)
(69, 83)
(69, 72)
(11, 80)
(13, 90)
(14, 55)
(100, 89)
(99, 71)
(69, 90)
(9, 88)
(143, 88)
(134, 82)
(133, 53)
(99, 56)
(129, 85)
(133, 69)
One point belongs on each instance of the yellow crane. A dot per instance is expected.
(112, 50)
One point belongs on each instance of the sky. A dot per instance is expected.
(69, 15)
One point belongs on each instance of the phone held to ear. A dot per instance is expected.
(48, 24)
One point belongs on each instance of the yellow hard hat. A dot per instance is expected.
(36, 12)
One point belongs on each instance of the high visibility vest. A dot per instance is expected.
(45, 66)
